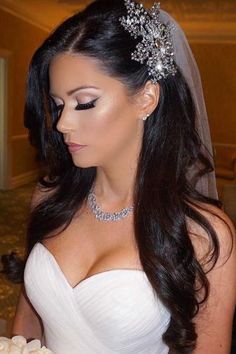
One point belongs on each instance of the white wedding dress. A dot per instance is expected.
(115, 311)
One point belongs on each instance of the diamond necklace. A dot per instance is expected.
(106, 216)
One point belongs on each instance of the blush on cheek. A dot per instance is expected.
(118, 141)
(108, 131)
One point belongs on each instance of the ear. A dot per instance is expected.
(147, 99)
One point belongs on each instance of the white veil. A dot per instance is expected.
(186, 62)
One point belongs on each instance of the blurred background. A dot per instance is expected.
(210, 26)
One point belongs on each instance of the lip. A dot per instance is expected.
(72, 147)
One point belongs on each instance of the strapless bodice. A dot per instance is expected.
(115, 311)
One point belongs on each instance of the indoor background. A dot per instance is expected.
(210, 26)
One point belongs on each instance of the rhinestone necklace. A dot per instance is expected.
(106, 216)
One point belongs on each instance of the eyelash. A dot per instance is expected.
(88, 105)
(80, 106)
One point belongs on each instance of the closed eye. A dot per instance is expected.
(82, 106)
(57, 109)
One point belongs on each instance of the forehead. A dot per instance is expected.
(70, 71)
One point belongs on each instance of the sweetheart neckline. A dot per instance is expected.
(91, 277)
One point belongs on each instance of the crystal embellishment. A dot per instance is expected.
(155, 48)
(106, 216)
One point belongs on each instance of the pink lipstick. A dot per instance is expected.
(75, 147)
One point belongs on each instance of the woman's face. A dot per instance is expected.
(94, 110)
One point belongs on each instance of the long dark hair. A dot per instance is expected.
(171, 147)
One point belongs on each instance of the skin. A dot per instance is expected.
(112, 130)
(113, 133)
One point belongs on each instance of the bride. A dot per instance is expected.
(128, 248)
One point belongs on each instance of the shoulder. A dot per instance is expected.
(40, 193)
(223, 227)
(214, 320)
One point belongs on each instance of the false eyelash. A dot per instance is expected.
(58, 109)
(83, 106)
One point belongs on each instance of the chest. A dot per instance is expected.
(89, 246)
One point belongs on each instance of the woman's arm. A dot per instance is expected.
(26, 321)
(215, 318)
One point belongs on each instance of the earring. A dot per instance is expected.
(147, 115)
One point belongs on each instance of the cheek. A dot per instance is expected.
(110, 125)
(108, 131)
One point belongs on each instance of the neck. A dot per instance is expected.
(115, 180)
(115, 187)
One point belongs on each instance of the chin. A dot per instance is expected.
(83, 164)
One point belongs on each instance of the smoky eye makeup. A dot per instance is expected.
(83, 106)
(58, 108)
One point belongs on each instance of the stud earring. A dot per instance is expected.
(147, 115)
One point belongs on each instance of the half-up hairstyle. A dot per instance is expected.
(171, 148)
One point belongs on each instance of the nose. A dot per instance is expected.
(65, 123)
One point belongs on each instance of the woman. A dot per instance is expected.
(128, 248)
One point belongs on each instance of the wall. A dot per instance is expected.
(216, 62)
(18, 41)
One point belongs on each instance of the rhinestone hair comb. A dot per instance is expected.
(155, 48)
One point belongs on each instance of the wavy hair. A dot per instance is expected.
(171, 147)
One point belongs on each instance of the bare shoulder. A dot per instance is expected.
(222, 226)
(215, 318)
(39, 194)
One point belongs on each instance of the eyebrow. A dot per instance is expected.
(69, 93)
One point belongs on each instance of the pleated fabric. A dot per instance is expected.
(115, 311)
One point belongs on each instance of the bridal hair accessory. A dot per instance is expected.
(146, 24)
(156, 47)
(106, 216)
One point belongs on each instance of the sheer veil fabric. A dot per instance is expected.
(103, 314)
(185, 60)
